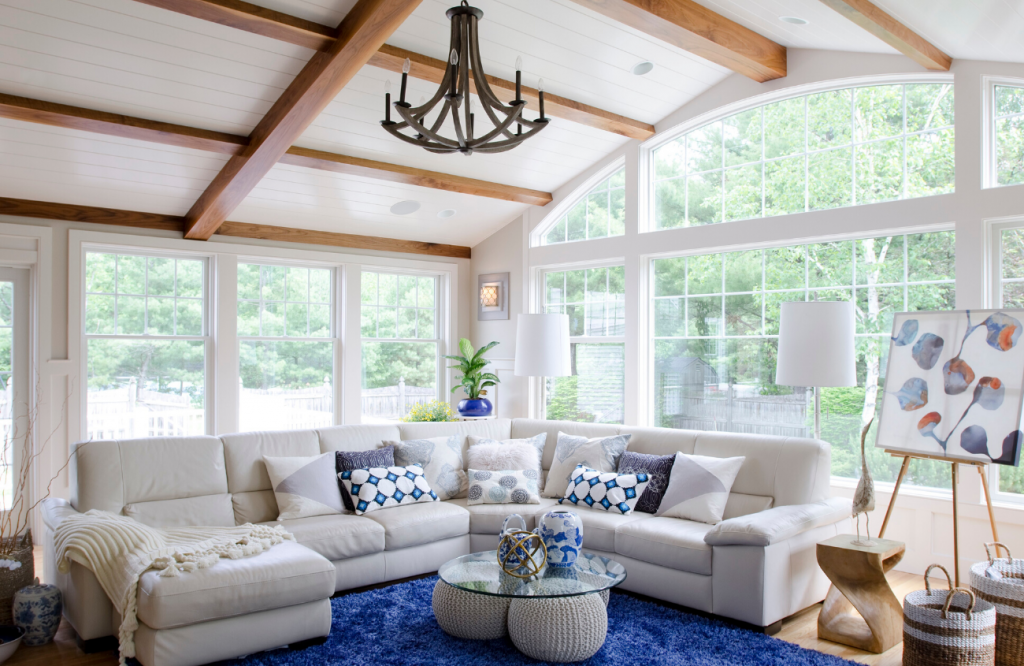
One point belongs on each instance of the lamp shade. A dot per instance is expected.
(816, 344)
(542, 345)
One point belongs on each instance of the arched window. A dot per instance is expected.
(599, 213)
(825, 150)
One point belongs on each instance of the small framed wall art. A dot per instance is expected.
(953, 386)
(492, 296)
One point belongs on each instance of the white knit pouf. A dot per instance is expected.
(558, 629)
(470, 615)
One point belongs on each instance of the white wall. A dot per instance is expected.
(502, 252)
(922, 519)
(57, 368)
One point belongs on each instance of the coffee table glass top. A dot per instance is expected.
(480, 572)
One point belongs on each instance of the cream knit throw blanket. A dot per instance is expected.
(119, 550)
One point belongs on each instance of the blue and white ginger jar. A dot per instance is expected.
(37, 609)
(562, 533)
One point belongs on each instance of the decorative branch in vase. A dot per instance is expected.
(474, 381)
(17, 461)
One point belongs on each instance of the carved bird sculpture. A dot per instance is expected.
(864, 495)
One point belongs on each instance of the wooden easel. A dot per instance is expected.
(980, 466)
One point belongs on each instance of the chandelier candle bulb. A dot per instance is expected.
(406, 66)
(519, 83)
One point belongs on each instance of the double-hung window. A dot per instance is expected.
(286, 348)
(1010, 480)
(1008, 132)
(594, 299)
(146, 337)
(401, 343)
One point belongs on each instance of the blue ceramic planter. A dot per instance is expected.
(481, 407)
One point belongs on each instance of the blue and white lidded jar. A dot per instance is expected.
(37, 609)
(562, 533)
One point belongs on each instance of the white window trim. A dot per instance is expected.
(989, 173)
(555, 215)
(222, 352)
(647, 222)
(993, 263)
(537, 397)
(447, 344)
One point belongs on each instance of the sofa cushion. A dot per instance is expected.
(492, 454)
(441, 459)
(286, 575)
(417, 524)
(258, 506)
(667, 542)
(487, 518)
(657, 469)
(510, 486)
(604, 491)
(337, 537)
(598, 526)
(209, 511)
(522, 428)
(698, 487)
(243, 455)
(346, 461)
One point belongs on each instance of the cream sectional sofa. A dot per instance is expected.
(757, 566)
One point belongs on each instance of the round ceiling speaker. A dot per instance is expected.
(405, 207)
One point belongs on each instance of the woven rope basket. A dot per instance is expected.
(1001, 583)
(947, 628)
(12, 580)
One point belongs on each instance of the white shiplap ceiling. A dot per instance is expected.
(127, 57)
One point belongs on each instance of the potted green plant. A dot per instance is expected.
(474, 381)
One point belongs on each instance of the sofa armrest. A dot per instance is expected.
(55, 510)
(778, 524)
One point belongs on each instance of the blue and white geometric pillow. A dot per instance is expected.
(605, 491)
(374, 488)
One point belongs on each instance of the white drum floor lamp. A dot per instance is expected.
(542, 346)
(816, 348)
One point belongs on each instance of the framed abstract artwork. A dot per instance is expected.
(953, 386)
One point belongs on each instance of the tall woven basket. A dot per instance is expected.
(948, 628)
(16, 572)
(1001, 583)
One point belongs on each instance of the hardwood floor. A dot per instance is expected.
(801, 629)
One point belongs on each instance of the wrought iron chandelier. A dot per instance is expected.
(453, 95)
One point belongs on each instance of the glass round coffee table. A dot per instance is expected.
(557, 615)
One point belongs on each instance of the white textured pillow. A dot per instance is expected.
(498, 456)
(441, 460)
(304, 486)
(503, 486)
(537, 442)
(600, 453)
(698, 487)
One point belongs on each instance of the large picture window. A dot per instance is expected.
(715, 323)
(594, 299)
(400, 344)
(1011, 295)
(599, 213)
(145, 330)
(1009, 135)
(827, 150)
(286, 348)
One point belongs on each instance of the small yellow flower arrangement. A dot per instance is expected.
(435, 410)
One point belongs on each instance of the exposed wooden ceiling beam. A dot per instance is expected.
(356, 166)
(101, 122)
(702, 32)
(289, 235)
(255, 19)
(73, 117)
(134, 219)
(892, 32)
(360, 34)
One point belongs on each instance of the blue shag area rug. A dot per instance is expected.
(395, 625)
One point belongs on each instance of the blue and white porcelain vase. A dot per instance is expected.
(37, 609)
(562, 533)
(513, 523)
